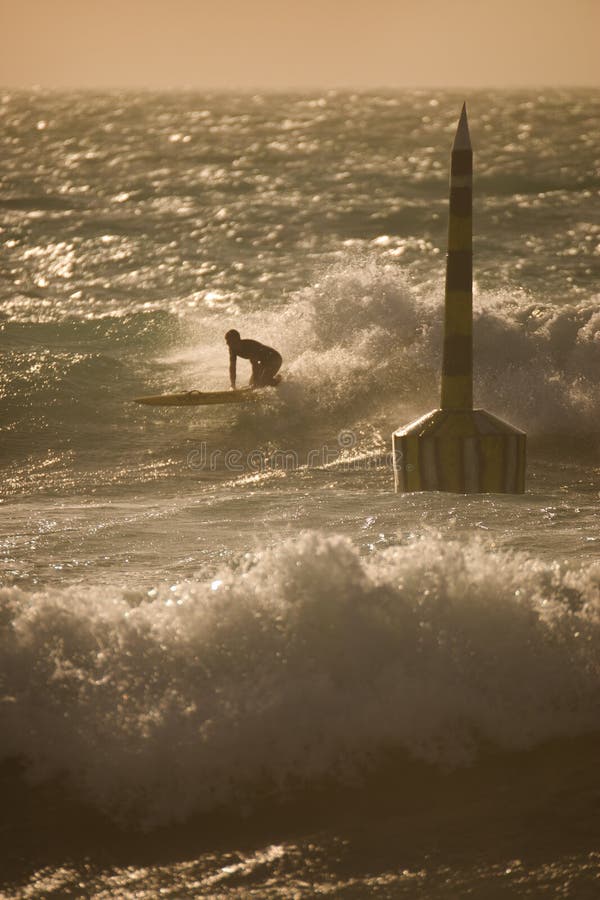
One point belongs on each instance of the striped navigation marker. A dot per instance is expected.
(457, 368)
(457, 448)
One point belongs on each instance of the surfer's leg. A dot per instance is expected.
(270, 370)
(257, 374)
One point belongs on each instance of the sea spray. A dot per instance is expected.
(363, 340)
(366, 337)
(300, 663)
(538, 360)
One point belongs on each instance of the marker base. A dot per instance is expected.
(467, 451)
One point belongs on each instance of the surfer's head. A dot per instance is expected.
(233, 337)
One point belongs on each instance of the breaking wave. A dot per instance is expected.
(361, 345)
(365, 339)
(301, 663)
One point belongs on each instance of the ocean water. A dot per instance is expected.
(233, 662)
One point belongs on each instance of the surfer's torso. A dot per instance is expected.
(254, 351)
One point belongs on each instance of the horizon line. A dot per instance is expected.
(248, 89)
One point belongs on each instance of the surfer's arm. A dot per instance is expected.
(232, 367)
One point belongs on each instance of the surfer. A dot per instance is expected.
(265, 361)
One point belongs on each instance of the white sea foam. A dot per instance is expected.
(300, 663)
(362, 342)
(376, 335)
(365, 338)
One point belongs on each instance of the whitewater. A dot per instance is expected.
(233, 662)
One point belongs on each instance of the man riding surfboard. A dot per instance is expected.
(265, 361)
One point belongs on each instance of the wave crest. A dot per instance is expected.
(301, 663)
(364, 340)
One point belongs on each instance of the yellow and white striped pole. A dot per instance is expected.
(456, 448)
(457, 366)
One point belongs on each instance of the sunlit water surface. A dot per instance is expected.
(221, 626)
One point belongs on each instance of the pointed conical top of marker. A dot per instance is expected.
(462, 141)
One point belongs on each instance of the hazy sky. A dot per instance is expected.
(286, 43)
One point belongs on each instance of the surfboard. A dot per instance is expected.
(201, 398)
